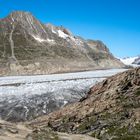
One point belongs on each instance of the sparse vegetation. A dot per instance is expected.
(138, 92)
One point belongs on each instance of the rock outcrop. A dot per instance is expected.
(111, 110)
(28, 46)
(137, 61)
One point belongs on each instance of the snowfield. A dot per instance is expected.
(26, 97)
(130, 61)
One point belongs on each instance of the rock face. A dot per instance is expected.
(28, 46)
(137, 61)
(111, 110)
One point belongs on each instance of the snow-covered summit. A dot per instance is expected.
(131, 61)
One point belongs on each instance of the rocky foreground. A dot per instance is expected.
(22, 132)
(109, 111)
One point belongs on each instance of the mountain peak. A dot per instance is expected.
(20, 16)
(20, 13)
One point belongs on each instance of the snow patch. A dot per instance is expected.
(53, 31)
(44, 111)
(50, 40)
(65, 102)
(43, 40)
(62, 34)
(39, 39)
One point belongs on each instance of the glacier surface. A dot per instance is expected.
(26, 97)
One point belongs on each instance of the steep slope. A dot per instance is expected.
(28, 46)
(111, 110)
(137, 61)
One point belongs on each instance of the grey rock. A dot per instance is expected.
(137, 61)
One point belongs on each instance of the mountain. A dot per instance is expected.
(131, 61)
(110, 110)
(27, 46)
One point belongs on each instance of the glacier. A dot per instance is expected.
(26, 97)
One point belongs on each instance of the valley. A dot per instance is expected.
(24, 98)
(56, 85)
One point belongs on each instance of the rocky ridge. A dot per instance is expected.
(111, 110)
(137, 61)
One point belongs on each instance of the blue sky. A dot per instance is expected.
(115, 22)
